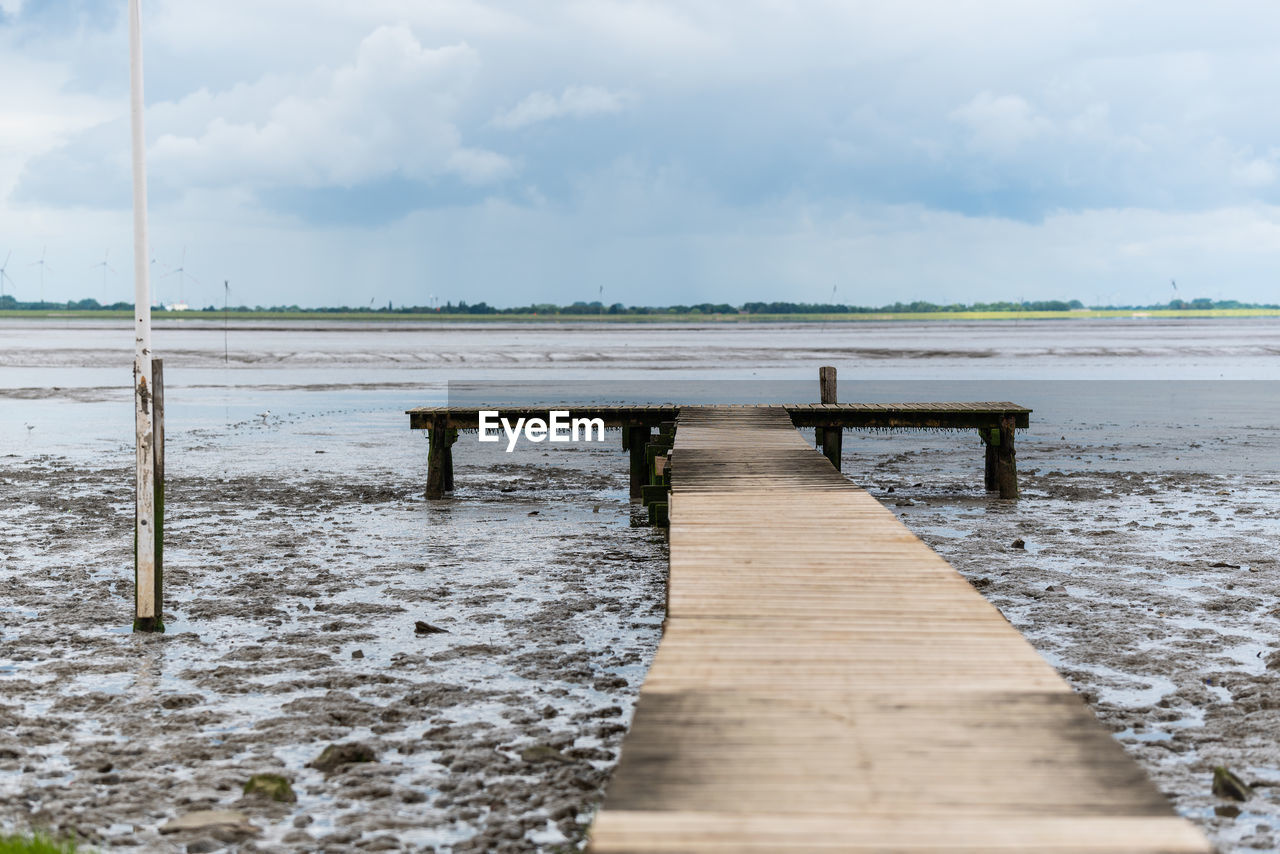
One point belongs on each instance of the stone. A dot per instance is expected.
(271, 786)
(543, 753)
(210, 820)
(336, 755)
(1228, 785)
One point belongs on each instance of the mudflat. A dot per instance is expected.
(301, 556)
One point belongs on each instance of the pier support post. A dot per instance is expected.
(830, 438)
(637, 441)
(450, 439)
(990, 436)
(437, 435)
(1006, 459)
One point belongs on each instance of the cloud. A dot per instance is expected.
(575, 102)
(711, 147)
(1255, 172)
(1000, 123)
(388, 112)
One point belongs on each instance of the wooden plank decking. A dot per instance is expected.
(826, 682)
(847, 415)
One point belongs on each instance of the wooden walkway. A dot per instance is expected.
(826, 682)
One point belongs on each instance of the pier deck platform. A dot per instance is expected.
(994, 421)
(826, 682)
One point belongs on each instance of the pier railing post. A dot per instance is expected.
(1006, 459)
(829, 438)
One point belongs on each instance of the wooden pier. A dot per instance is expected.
(995, 423)
(826, 682)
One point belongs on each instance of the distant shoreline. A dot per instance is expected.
(442, 317)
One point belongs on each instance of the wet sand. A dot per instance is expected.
(291, 625)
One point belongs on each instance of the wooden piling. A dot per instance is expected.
(831, 440)
(437, 436)
(451, 438)
(653, 492)
(1006, 459)
(157, 392)
(658, 446)
(637, 440)
(155, 621)
(990, 436)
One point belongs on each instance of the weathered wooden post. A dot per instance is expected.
(157, 430)
(451, 439)
(147, 615)
(832, 437)
(437, 435)
(637, 441)
(990, 441)
(1006, 459)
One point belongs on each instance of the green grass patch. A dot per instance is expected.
(36, 843)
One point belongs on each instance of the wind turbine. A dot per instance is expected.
(181, 270)
(4, 274)
(43, 266)
(105, 267)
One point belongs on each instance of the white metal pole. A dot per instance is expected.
(145, 616)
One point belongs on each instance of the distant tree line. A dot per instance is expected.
(580, 309)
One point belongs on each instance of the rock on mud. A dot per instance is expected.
(337, 755)
(271, 786)
(1228, 785)
(543, 753)
(212, 820)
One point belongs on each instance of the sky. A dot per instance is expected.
(324, 152)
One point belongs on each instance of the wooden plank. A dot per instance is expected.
(825, 681)
(831, 415)
(633, 832)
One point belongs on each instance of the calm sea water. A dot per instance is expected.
(1180, 393)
